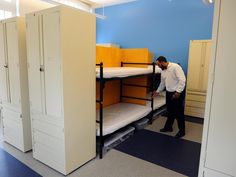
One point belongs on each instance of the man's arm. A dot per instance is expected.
(181, 81)
(162, 85)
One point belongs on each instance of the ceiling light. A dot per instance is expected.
(208, 1)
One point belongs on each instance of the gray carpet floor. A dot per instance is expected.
(114, 163)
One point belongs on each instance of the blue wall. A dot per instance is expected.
(163, 26)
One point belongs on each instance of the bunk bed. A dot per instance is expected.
(111, 118)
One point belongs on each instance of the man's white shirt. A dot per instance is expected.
(172, 78)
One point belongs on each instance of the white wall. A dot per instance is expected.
(7, 8)
(11, 8)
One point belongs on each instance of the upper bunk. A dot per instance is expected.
(117, 63)
(110, 73)
(130, 71)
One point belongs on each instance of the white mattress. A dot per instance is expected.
(119, 115)
(120, 72)
(158, 101)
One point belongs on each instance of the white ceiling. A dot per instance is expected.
(102, 3)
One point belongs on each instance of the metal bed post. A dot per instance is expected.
(152, 90)
(121, 83)
(101, 112)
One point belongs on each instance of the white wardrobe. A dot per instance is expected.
(14, 96)
(198, 65)
(61, 66)
(218, 155)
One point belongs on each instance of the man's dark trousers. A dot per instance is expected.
(175, 110)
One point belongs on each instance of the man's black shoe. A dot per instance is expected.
(166, 130)
(180, 135)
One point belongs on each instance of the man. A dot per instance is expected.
(173, 79)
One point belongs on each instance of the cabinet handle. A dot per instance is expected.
(41, 69)
(6, 66)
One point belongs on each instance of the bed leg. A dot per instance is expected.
(101, 150)
(151, 118)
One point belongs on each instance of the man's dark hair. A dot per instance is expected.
(161, 59)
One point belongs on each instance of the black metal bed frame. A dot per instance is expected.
(102, 81)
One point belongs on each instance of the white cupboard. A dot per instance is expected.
(14, 96)
(198, 64)
(61, 67)
(218, 155)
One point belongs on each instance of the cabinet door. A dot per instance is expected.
(13, 63)
(221, 144)
(3, 76)
(199, 56)
(194, 66)
(206, 65)
(33, 57)
(52, 64)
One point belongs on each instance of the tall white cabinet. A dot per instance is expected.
(198, 65)
(14, 96)
(218, 155)
(61, 66)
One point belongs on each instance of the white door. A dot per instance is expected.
(33, 58)
(3, 69)
(13, 63)
(221, 144)
(52, 64)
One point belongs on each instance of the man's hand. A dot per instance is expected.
(176, 95)
(154, 94)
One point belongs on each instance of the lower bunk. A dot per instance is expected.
(121, 120)
(121, 114)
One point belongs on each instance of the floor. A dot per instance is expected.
(193, 130)
(114, 163)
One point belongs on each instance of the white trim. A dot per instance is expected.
(17, 7)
